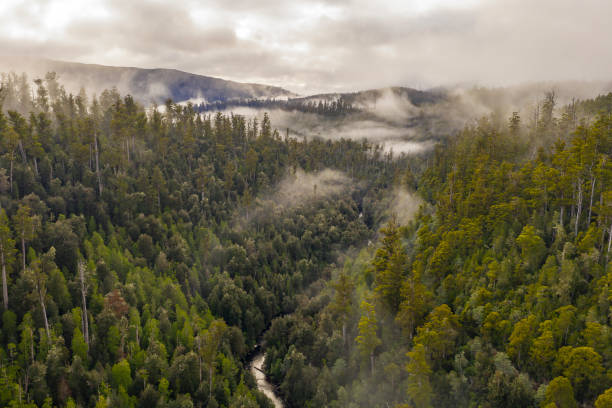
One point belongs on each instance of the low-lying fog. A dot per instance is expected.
(392, 137)
(299, 187)
(403, 128)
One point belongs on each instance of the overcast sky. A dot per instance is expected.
(328, 45)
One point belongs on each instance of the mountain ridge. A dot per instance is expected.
(145, 84)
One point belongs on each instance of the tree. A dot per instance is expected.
(563, 323)
(367, 340)
(83, 284)
(252, 158)
(209, 344)
(419, 388)
(37, 274)
(542, 352)
(389, 265)
(532, 246)
(439, 332)
(560, 392)
(343, 300)
(415, 298)
(7, 251)
(79, 346)
(25, 225)
(114, 302)
(299, 384)
(520, 340)
(10, 141)
(122, 375)
(514, 123)
(604, 400)
(97, 157)
(582, 366)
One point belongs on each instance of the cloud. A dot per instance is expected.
(389, 133)
(325, 45)
(301, 187)
(404, 205)
(295, 189)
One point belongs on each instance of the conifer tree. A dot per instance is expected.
(368, 340)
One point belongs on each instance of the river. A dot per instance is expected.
(257, 367)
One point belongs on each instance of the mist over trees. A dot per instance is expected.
(494, 295)
(142, 260)
(125, 281)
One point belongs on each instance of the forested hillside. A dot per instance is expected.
(145, 252)
(496, 295)
(145, 85)
(141, 257)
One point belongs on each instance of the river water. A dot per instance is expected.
(257, 367)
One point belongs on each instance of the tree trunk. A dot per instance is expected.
(44, 310)
(210, 381)
(591, 201)
(23, 254)
(11, 173)
(97, 164)
(372, 363)
(4, 284)
(609, 242)
(84, 298)
(23, 154)
(31, 345)
(200, 366)
(579, 208)
(26, 384)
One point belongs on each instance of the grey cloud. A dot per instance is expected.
(332, 45)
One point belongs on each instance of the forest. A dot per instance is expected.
(145, 252)
(339, 107)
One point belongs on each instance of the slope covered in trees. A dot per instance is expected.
(496, 295)
(145, 85)
(144, 253)
(139, 266)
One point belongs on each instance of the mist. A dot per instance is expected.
(389, 118)
(295, 189)
(301, 187)
(404, 205)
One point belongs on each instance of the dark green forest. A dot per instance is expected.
(145, 253)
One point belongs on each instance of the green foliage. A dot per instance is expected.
(419, 388)
(191, 252)
(532, 246)
(79, 347)
(604, 400)
(510, 257)
(368, 337)
(121, 375)
(389, 265)
(438, 334)
(582, 366)
(560, 392)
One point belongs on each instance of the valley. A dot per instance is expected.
(146, 251)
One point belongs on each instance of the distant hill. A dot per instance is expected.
(371, 96)
(146, 85)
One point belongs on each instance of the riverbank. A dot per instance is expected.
(257, 368)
